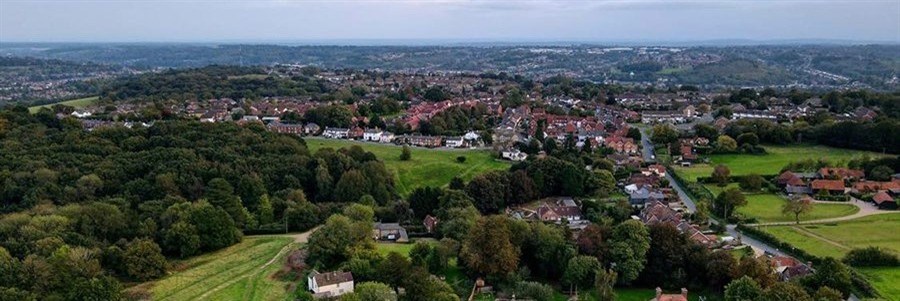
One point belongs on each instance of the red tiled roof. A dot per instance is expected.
(842, 172)
(827, 185)
(882, 197)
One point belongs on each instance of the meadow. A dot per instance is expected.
(766, 207)
(242, 271)
(836, 239)
(428, 167)
(884, 280)
(76, 103)
(776, 158)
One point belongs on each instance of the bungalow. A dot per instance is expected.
(336, 133)
(389, 232)
(831, 186)
(372, 135)
(331, 284)
(884, 200)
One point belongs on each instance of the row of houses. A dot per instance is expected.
(840, 181)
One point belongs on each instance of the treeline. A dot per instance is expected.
(877, 136)
(458, 120)
(211, 82)
(87, 209)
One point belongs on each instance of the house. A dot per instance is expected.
(336, 133)
(656, 169)
(356, 133)
(831, 186)
(426, 141)
(788, 268)
(311, 129)
(285, 128)
(644, 195)
(670, 297)
(389, 232)
(331, 284)
(884, 200)
(454, 142)
(563, 209)
(875, 186)
(430, 223)
(514, 155)
(372, 135)
(841, 173)
(387, 137)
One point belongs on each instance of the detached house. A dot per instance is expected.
(830, 186)
(389, 232)
(331, 284)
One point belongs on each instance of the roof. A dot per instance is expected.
(325, 279)
(827, 185)
(882, 197)
(842, 172)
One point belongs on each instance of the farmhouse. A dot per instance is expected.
(331, 284)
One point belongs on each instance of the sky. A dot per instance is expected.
(450, 20)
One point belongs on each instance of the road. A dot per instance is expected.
(758, 246)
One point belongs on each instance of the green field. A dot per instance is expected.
(239, 272)
(885, 280)
(387, 248)
(837, 239)
(428, 167)
(772, 162)
(766, 207)
(77, 103)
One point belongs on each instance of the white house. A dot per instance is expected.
(331, 284)
(79, 114)
(372, 135)
(514, 155)
(387, 137)
(337, 133)
(454, 142)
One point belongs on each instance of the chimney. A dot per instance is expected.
(684, 293)
(658, 292)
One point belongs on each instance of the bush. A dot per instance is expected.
(461, 159)
(871, 257)
(534, 290)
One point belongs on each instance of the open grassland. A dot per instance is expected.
(766, 207)
(885, 280)
(77, 103)
(776, 158)
(428, 167)
(837, 239)
(240, 272)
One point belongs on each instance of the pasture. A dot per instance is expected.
(884, 280)
(776, 158)
(836, 239)
(428, 167)
(76, 103)
(766, 207)
(242, 271)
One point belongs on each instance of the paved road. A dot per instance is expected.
(758, 247)
(646, 146)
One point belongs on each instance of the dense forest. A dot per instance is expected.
(88, 209)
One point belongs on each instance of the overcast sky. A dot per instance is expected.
(461, 20)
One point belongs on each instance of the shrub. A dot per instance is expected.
(871, 257)
(534, 290)
(461, 159)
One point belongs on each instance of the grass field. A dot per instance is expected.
(387, 248)
(77, 103)
(238, 272)
(766, 207)
(428, 167)
(771, 163)
(837, 239)
(885, 280)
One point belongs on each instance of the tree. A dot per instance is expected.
(730, 199)
(827, 294)
(592, 241)
(797, 207)
(751, 182)
(405, 153)
(360, 213)
(743, 289)
(391, 269)
(419, 253)
(785, 291)
(706, 131)
(374, 291)
(214, 226)
(520, 188)
(324, 181)
(831, 273)
(144, 260)
(721, 175)
(628, 245)
(664, 134)
(535, 291)
(350, 187)
(605, 182)
(487, 249)
(182, 239)
(881, 173)
(424, 200)
(756, 269)
(488, 190)
(726, 144)
(720, 268)
(748, 139)
(265, 212)
(603, 283)
(220, 193)
(666, 257)
(546, 249)
(580, 271)
(338, 239)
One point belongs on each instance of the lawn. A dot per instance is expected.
(236, 272)
(388, 247)
(77, 103)
(885, 280)
(777, 157)
(766, 207)
(428, 167)
(875, 230)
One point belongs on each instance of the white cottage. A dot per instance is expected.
(331, 284)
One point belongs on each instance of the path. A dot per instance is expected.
(865, 209)
(298, 238)
(819, 237)
(646, 146)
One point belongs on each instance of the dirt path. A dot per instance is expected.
(865, 209)
(820, 237)
(299, 238)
